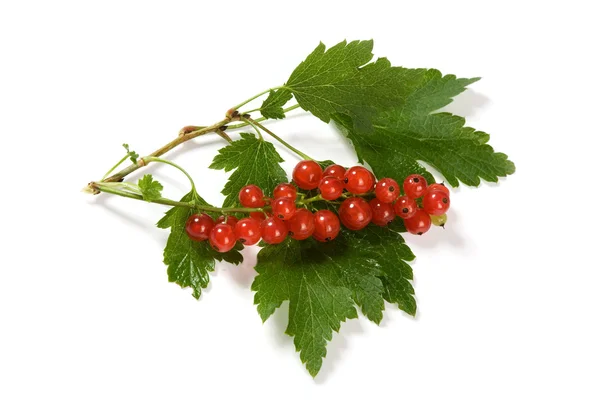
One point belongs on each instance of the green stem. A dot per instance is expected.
(280, 140)
(237, 126)
(243, 103)
(171, 163)
(310, 200)
(255, 128)
(115, 166)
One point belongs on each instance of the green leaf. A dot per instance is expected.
(255, 162)
(151, 189)
(189, 262)
(324, 281)
(272, 107)
(133, 156)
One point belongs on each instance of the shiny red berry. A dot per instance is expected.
(436, 202)
(405, 207)
(252, 196)
(327, 226)
(358, 180)
(415, 186)
(387, 190)
(331, 188)
(198, 226)
(283, 208)
(419, 223)
(383, 213)
(222, 238)
(439, 186)
(285, 190)
(247, 231)
(273, 230)
(307, 174)
(336, 171)
(231, 220)
(259, 215)
(355, 213)
(302, 225)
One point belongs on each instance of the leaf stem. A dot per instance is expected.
(280, 140)
(125, 157)
(243, 103)
(171, 163)
(238, 126)
(260, 136)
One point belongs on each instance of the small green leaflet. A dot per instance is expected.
(189, 262)
(255, 162)
(324, 281)
(151, 189)
(272, 107)
(133, 156)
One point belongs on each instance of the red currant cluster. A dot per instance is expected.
(355, 212)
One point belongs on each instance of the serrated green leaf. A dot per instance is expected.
(272, 107)
(151, 189)
(189, 262)
(324, 281)
(133, 156)
(254, 161)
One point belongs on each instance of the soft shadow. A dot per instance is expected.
(437, 236)
(337, 347)
(467, 104)
(279, 324)
(244, 273)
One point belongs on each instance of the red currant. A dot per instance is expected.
(302, 225)
(419, 223)
(415, 186)
(439, 220)
(222, 238)
(285, 190)
(231, 220)
(331, 188)
(247, 230)
(273, 230)
(355, 213)
(336, 171)
(405, 207)
(439, 186)
(198, 226)
(284, 208)
(259, 215)
(252, 196)
(383, 213)
(387, 190)
(436, 202)
(358, 180)
(307, 174)
(327, 226)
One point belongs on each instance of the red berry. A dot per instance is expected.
(231, 220)
(302, 225)
(247, 230)
(273, 230)
(327, 226)
(252, 196)
(405, 207)
(258, 215)
(436, 202)
(355, 213)
(307, 174)
(198, 226)
(387, 190)
(415, 186)
(336, 171)
(359, 180)
(331, 188)
(439, 186)
(383, 213)
(222, 238)
(419, 223)
(285, 190)
(284, 208)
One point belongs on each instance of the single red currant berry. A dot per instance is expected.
(247, 231)
(331, 188)
(336, 171)
(231, 220)
(252, 196)
(405, 207)
(419, 223)
(358, 180)
(355, 213)
(439, 220)
(302, 225)
(415, 186)
(284, 208)
(285, 190)
(387, 190)
(327, 226)
(307, 174)
(439, 186)
(259, 215)
(383, 213)
(222, 238)
(198, 226)
(273, 230)
(436, 202)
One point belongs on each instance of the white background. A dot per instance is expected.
(508, 295)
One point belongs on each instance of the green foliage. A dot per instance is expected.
(272, 107)
(133, 156)
(151, 189)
